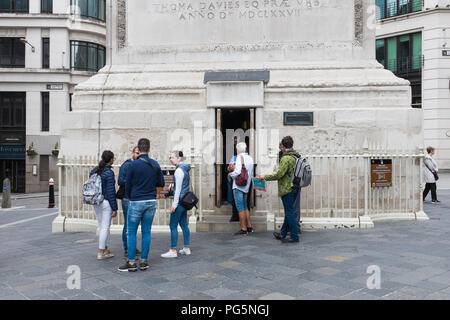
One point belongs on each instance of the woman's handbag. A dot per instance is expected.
(189, 201)
(242, 179)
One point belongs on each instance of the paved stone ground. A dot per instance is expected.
(413, 257)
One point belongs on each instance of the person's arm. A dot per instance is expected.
(179, 176)
(160, 180)
(282, 169)
(429, 164)
(128, 182)
(111, 190)
(121, 181)
(237, 169)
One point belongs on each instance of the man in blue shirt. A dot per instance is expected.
(144, 175)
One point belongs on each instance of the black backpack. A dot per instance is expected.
(189, 201)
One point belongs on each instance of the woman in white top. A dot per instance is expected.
(430, 171)
(178, 214)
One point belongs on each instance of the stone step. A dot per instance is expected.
(218, 223)
(227, 210)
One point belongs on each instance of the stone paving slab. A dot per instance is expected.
(413, 258)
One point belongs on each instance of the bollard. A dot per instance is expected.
(6, 199)
(51, 193)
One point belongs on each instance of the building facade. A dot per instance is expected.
(413, 41)
(193, 75)
(47, 47)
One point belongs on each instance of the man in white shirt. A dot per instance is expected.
(241, 191)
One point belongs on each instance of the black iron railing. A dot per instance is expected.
(405, 65)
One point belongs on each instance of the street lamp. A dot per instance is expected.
(24, 41)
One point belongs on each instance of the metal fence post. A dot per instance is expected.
(366, 181)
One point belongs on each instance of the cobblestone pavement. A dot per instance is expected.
(413, 258)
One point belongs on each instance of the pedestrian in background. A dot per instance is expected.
(108, 208)
(430, 172)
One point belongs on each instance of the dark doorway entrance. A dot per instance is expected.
(234, 125)
(15, 171)
(12, 139)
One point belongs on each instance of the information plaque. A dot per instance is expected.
(381, 173)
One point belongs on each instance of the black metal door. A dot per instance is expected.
(15, 171)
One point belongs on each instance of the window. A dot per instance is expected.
(381, 54)
(87, 56)
(46, 6)
(70, 101)
(14, 6)
(45, 112)
(12, 53)
(44, 168)
(12, 109)
(12, 117)
(392, 8)
(402, 54)
(94, 9)
(45, 53)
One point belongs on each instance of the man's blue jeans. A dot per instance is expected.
(140, 212)
(297, 207)
(179, 216)
(290, 222)
(125, 206)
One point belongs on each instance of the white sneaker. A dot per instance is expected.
(185, 251)
(169, 254)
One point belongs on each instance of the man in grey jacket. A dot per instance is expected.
(430, 171)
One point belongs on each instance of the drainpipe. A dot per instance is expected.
(110, 31)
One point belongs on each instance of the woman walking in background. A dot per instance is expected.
(108, 208)
(430, 172)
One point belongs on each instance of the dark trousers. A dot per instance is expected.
(428, 187)
(290, 222)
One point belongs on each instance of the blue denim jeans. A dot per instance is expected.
(290, 222)
(125, 205)
(297, 207)
(140, 212)
(179, 217)
(241, 200)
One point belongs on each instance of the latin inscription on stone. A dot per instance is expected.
(244, 9)
(198, 22)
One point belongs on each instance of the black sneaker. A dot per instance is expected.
(241, 232)
(143, 265)
(250, 230)
(128, 267)
(277, 236)
(435, 201)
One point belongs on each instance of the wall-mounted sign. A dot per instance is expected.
(381, 173)
(298, 118)
(34, 169)
(54, 87)
(12, 152)
(446, 53)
